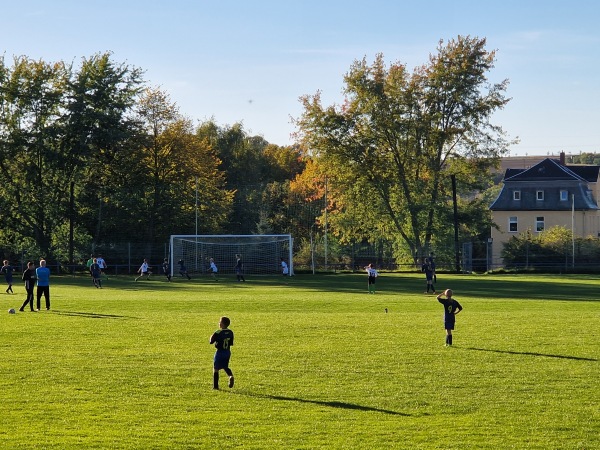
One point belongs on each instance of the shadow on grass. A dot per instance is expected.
(509, 352)
(331, 404)
(90, 315)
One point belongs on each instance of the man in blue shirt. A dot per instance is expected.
(42, 274)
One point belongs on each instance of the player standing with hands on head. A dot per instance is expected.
(451, 309)
(222, 340)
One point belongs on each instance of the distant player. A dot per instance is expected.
(103, 266)
(239, 268)
(213, 269)
(144, 270)
(183, 270)
(222, 340)
(426, 267)
(372, 274)
(451, 309)
(8, 270)
(166, 269)
(432, 264)
(284, 268)
(96, 273)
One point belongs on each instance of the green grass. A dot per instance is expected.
(318, 364)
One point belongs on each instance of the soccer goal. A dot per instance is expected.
(260, 254)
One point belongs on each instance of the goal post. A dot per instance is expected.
(261, 254)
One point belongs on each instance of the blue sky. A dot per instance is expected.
(249, 61)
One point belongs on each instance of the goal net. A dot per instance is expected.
(260, 254)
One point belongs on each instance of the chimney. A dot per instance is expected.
(562, 158)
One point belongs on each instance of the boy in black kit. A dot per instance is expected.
(451, 309)
(223, 340)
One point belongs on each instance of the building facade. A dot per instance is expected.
(548, 194)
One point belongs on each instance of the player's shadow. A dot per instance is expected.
(546, 355)
(91, 315)
(331, 404)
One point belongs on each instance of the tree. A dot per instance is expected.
(32, 171)
(177, 162)
(100, 145)
(390, 149)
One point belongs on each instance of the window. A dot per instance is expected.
(539, 195)
(516, 195)
(512, 224)
(564, 195)
(539, 224)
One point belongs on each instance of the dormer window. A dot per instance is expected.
(564, 195)
(516, 195)
(539, 195)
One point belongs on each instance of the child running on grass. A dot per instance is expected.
(223, 340)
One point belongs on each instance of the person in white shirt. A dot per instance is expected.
(100, 261)
(372, 273)
(144, 270)
(284, 268)
(213, 269)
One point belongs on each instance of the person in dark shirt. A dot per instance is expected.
(222, 340)
(29, 279)
(7, 270)
(426, 267)
(432, 264)
(96, 272)
(239, 268)
(166, 268)
(183, 270)
(451, 309)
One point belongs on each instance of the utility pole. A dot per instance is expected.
(456, 248)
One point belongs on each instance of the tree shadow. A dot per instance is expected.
(91, 315)
(330, 404)
(510, 352)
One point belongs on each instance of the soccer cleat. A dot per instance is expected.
(231, 381)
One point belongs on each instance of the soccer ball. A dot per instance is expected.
(12, 311)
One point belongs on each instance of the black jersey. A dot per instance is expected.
(450, 307)
(29, 278)
(223, 339)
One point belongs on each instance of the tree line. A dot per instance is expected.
(91, 154)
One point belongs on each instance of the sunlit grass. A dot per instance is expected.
(318, 364)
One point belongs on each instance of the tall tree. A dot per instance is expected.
(32, 175)
(101, 141)
(389, 149)
(178, 163)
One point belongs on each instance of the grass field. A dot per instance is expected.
(318, 364)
